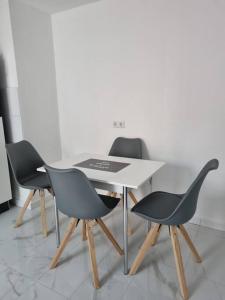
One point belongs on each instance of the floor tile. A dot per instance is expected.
(212, 248)
(25, 256)
(33, 266)
(111, 288)
(13, 284)
(39, 292)
(134, 292)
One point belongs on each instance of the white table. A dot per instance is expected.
(131, 177)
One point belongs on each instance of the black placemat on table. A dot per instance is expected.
(102, 165)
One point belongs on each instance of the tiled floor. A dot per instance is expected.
(25, 256)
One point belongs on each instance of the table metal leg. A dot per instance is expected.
(57, 225)
(125, 228)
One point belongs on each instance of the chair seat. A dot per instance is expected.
(157, 206)
(39, 180)
(110, 202)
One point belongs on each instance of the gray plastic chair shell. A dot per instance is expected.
(24, 161)
(75, 195)
(127, 147)
(173, 209)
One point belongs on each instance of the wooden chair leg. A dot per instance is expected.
(133, 198)
(121, 201)
(84, 233)
(110, 236)
(43, 213)
(157, 235)
(19, 220)
(187, 238)
(130, 231)
(112, 194)
(50, 190)
(91, 247)
(70, 229)
(179, 262)
(145, 246)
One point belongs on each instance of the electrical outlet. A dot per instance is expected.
(115, 124)
(118, 124)
(122, 124)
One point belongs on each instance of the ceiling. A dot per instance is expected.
(54, 6)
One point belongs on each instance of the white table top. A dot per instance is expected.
(132, 176)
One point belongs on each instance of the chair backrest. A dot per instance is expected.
(126, 147)
(75, 195)
(187, 207)
(24, 160)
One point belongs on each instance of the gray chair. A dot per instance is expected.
(130, 148)
(127, 147)
(172, 210)
(77, 198)
(24, 161)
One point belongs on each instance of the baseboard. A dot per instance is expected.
(5, 206)
(207, 223)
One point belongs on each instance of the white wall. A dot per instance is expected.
(7, 55)
(32, 33)
(9, 103)
(160, 66)
(5, 187)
